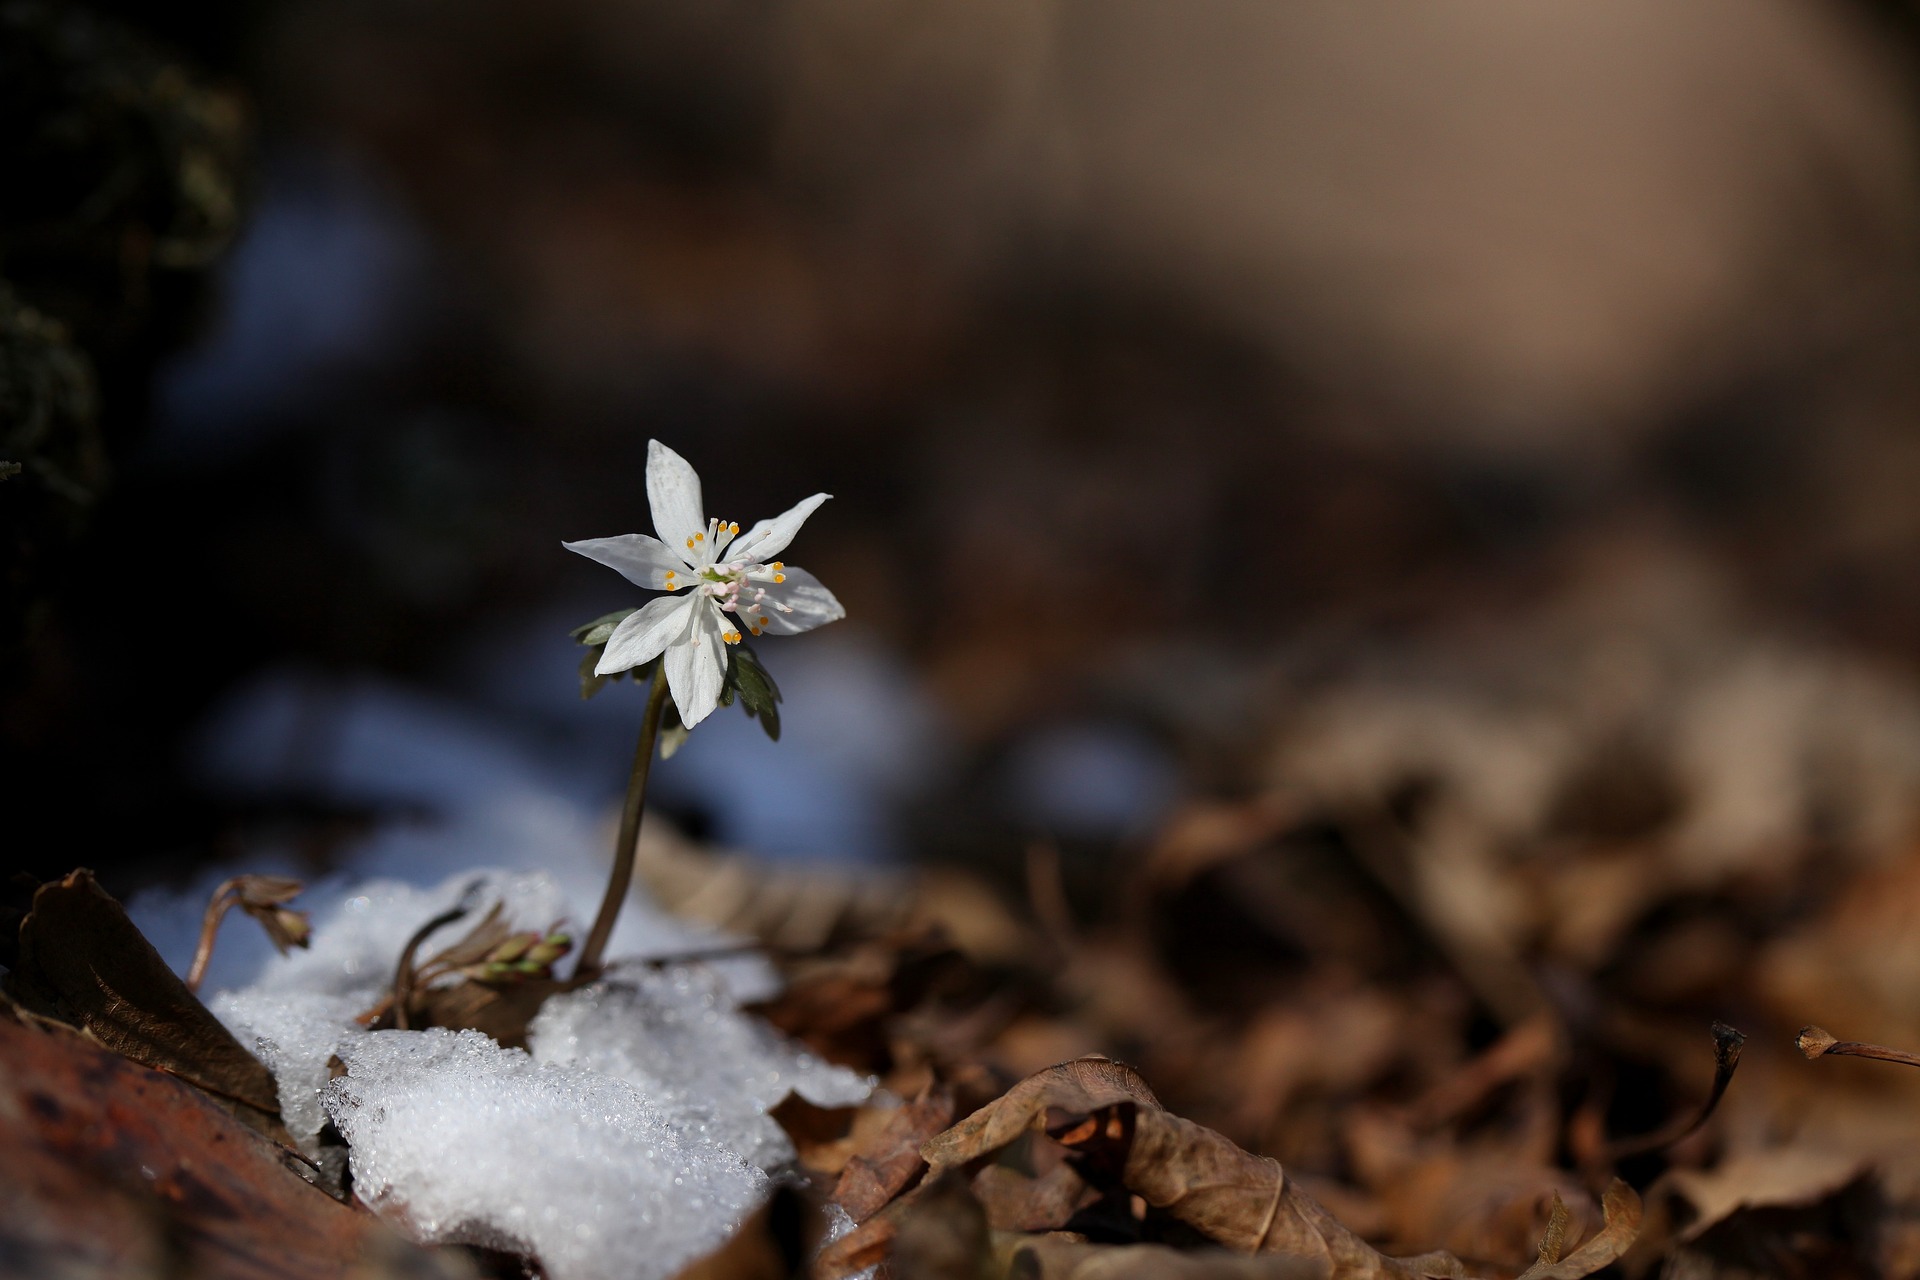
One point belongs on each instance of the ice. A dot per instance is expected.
(358, 937)
(295, 1034)
(631, 1139)
(676, 1035)
(466, 1142)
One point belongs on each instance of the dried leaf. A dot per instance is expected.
(111, 1170)
(84, 963)
(1064, 1258)
(1622, 1227)
(941, 1234)
(1105, 1114)
(1015, 1202)
(882, 1168)
(1083, 1085)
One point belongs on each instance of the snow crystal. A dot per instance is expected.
(637, 1128)
(296, 1034)
(357, 940)
(676, 1035)
(466, 1142)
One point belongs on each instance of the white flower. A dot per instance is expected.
(720, 581)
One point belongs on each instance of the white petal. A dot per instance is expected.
(770, 537)
(643, 633)
(641, 560)
(673, 490)
(697, 663)
(812, 605)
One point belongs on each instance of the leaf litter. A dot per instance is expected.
(1393, 1015)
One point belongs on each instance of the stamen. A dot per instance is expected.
(689, 544)
(763, 622)
(776, 566)
(734, 528)
(698, 537)
(779, 577)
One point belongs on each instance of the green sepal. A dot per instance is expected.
(600, 630)
(759, 695)
(673, 734)
(595, 635)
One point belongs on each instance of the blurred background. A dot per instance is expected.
(1411, 510)
(1498, 419)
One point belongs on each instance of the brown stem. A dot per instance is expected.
(1816, 1043)
(627, 846)
(1727, 1043)
(217, 907)
(404, 977)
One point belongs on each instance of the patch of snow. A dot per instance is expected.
(295, 1034)
(632, 1139)
(677, 1036)
(465, 1142)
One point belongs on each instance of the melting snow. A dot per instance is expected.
(633, 1138)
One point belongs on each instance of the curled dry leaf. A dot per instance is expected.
(495, 998)
(1616, 1236)
(1015, 1202)
(1105, 1114)
(84, 963)
(265, 898)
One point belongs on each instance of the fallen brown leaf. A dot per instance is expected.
(1616, 1236)
(1015, 1202)
(882, 1168)
(1107, 1116)
(82, 962)
(111, 1170)
(1058, 1258)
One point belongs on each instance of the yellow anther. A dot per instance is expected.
(734, 527)
(763, 622)
(779, 577)
(698, 537)
(777, 565)
(689, 544)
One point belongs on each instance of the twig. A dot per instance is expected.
(217, 907)
(403, 974)
(1817, 1043)
(627, 844)
(1727, 1043)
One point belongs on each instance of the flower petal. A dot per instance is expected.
(697, 663)
(808, 605)
(770, 537)
(641, 560)
(643, 633)
(673, 491)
